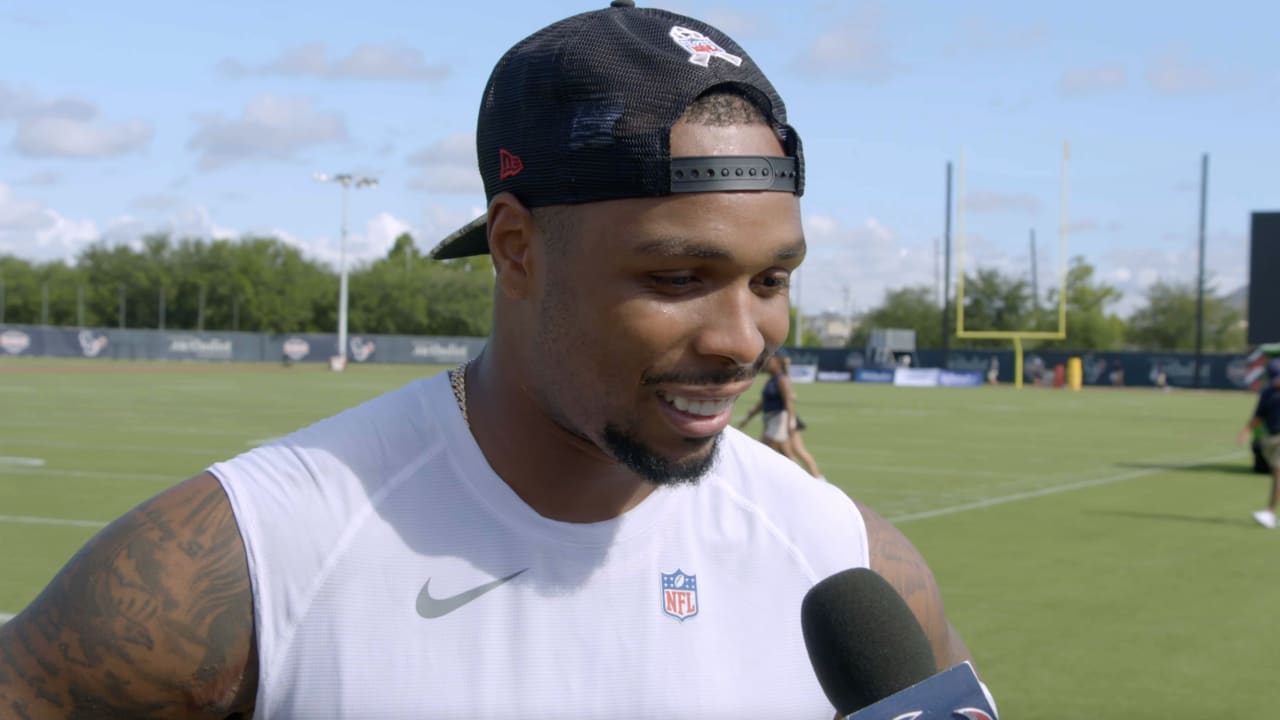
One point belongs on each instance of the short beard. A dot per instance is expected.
(648, 464)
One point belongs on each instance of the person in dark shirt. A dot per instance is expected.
(1267, 416)
(777, 402)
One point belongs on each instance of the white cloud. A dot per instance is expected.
(1133, 270)
(365, 62)
(1095, 80)
(71, 137)
(853, 49)
(866, 260)
(1173, 74)
(448, 166)
(30, 230)
(272, 128)
(19, 214)
(67, 128)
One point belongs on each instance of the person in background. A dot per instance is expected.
(795, 438)
(577, 489)
(1266, 416)
(778, 405)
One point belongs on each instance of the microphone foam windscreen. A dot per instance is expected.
(864, 642)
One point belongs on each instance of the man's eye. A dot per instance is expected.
(672, 280)
(776, 281)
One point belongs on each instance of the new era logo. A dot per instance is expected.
(509, 166)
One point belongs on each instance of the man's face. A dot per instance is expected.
(656, 314)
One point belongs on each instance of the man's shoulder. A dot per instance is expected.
(770, 479)
(814, 518)
(354, 452)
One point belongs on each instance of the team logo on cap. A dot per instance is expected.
(509, 164)
(680, 595)
(700, 47)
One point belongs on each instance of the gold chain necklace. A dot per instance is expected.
(458, 381)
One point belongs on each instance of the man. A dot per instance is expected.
(562, 528)
(1266, 416)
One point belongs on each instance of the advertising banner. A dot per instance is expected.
(916, 377)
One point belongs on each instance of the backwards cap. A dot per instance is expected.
(581, 111)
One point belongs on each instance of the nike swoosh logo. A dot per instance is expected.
(430, 607)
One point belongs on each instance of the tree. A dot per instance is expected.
(403, 294)
(993, 301)
(1089, 326)
(911, 308)
(1168, 321)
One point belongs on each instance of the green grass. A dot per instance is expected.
(1094, 549)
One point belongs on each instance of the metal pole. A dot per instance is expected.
(1035, 275)
(200, 312)
(346, 180)
(1204, 196)
(342, 282)
(44, 303)
(122, 308)
(80, 305)
(160, 310)
(946, 278)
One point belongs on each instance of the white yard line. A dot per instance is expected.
(924, 471)
(1042, 492)
(6, 617)
(33, 520)
(21, 461)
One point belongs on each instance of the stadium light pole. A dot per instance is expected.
(347, 181)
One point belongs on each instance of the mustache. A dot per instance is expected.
(719, 376)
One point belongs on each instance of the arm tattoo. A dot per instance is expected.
(901, 564)
(153, 618)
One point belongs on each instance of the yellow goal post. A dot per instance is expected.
(1017, 336)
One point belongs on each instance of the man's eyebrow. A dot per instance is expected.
(684, 247)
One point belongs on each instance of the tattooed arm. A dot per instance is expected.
(153, 618)
(899, 562)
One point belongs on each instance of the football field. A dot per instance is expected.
(1094, 549)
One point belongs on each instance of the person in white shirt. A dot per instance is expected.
(565, 527)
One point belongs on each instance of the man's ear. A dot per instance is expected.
(511, 237)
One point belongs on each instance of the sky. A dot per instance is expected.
(211, 120)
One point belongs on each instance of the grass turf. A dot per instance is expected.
(1094, 549)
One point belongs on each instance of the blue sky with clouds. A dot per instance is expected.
(119, 119)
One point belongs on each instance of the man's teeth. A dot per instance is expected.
(707, 408)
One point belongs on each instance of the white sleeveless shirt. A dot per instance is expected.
(396, 576)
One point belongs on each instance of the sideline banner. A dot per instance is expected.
(803, 373)
(874, 376)
(952, 378)
(916, 377)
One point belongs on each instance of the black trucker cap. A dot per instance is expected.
(581, 111)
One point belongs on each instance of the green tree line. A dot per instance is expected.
(258, 284)
(1165, 321)
(262, 284)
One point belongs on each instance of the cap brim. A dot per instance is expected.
(470, 239)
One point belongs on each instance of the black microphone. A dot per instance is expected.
(871, 655)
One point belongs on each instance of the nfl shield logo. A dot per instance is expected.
(680, 595)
